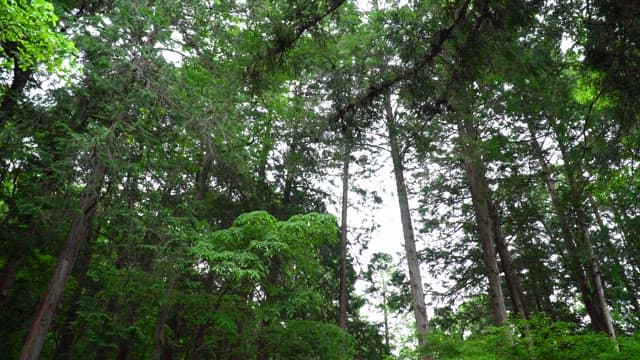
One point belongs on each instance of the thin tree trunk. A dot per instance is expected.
(629, 287)
(265, 150)
(272, 282)
(198, 342)
(415, 279)
(159, 341)
(202, 178)
(344, 230)
(80, 229)
(510, 275)
(64, 347)
(577, 269)
(385, 309)
(596, 279)
(583, 238)
(289, 176)
(479, 188)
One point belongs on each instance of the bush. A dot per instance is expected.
(536, 339)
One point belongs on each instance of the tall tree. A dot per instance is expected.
(344, 225)
(479, 188)
(415, 279)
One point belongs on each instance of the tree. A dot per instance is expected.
(151, 197)
(415, 279)
(29, 39)
(277, 264)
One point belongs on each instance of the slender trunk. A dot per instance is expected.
(160, 348)
(479, 188)
(64, 347)
(67, 340)
(629, 287)
(415, 279)
(272, 282)
(344, 230)
(104, 351)
(385, 310)
(289, 177)
(622, 219)
(202, 178)
(288, 187)
(198, 342)
(576, 191)
(263, 160)
(511, 277)
(577, 269)
(596, 212)
(78, 233)
(594, 271)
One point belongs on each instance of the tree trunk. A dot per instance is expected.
(78, 233)
(585, 240)
(629, 287)
(202, 178)
(67, 340)
(415, 279)
(289, 176)
(385, 310)
(577, 270)
(160, 348)
(344, 230)
(479, 188)
(576, 192)
(198, 342)
(510, 275)
(263, 160)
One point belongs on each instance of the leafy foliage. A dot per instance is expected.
(29, 36)
(540, 339)
(170, 176)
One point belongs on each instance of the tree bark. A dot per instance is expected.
(67, 340)
(479, 188)
(263, 159)
(594, 271)
(80, 229)
(202, 178)
(577, 269)
(415, 278)
(385, 309)
(629, 286)
(344, 230)
(289, 176)
(160, 348)
(510, 275)
(603, 321)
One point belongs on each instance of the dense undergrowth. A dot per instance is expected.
(536, 339)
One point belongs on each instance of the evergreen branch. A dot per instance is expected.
(375, 90)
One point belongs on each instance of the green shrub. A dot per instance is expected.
(536, 339)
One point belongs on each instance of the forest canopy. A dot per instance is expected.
(168, 170)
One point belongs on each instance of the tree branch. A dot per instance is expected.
(437, 46)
